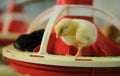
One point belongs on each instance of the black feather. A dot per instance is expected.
(27, 42)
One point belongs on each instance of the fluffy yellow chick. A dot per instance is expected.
(76, 32)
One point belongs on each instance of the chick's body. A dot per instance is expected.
(75, 32)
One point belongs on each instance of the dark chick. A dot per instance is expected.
(28, 42)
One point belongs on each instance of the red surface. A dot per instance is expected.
(1, 26)
(6, 41)
(18, 26)
(45, 70)
(70, 2)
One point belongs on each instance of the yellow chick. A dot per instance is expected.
(76, 32)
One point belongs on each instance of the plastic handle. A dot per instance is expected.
(48, 29)
(75, 2)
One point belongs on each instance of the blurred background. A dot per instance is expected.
(34, 7)
(28, 8)
(31, 9)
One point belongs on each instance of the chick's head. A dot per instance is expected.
(65, 27)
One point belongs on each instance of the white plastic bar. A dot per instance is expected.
(6, 24)
(48, 29)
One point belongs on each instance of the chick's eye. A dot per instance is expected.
(61, 30)
(65, 27)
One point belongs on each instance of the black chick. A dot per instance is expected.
(27, 42)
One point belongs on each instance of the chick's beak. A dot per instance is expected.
(57, 35)
(58, 32)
